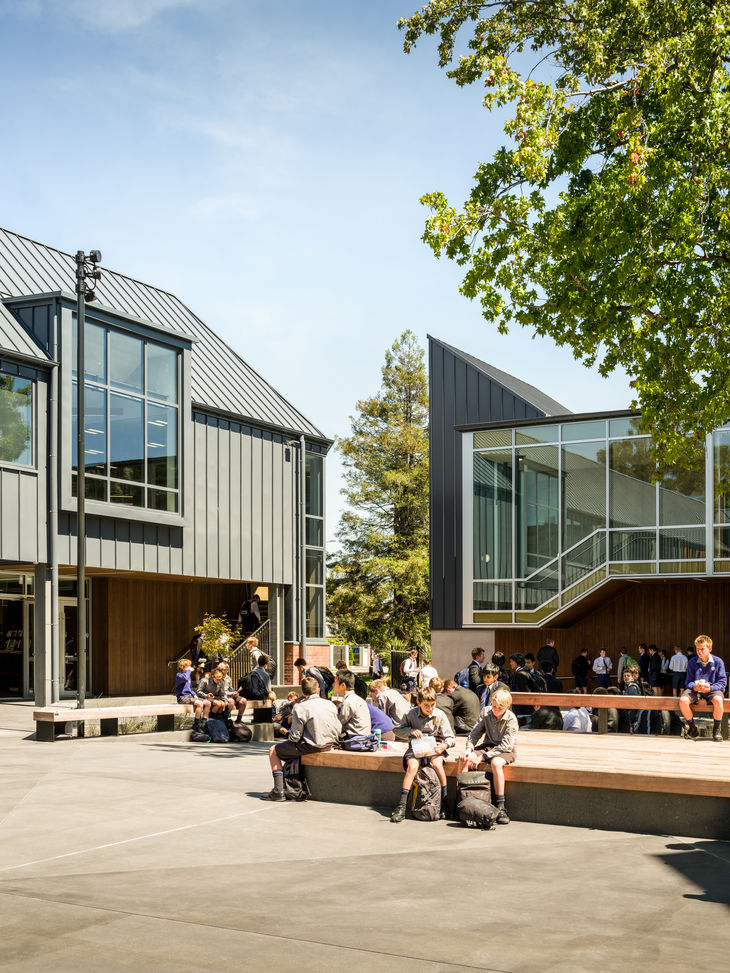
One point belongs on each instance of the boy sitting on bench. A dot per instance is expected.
(706, 680)
(496, 734)
(423, 720)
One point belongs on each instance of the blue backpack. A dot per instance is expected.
(461, 678)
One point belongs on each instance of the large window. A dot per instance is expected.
(16, 419)
(553, 509)
(314, 538)
(131, 420)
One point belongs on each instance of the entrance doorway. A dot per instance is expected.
(68, 649)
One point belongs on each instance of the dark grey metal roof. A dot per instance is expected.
(14, 339)
(527, 392)
(221, 380)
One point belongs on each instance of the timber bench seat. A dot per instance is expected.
(47, 720)
(650, 784)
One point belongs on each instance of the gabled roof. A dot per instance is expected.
(525, 391)
(15, 340)
(220, 379)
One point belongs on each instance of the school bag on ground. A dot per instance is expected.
(199, 736)
(425, 796)
(217, 731)
(474, 806)
(240, 733)
(296, 787)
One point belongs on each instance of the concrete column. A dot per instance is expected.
(45, 630)
(276, 629)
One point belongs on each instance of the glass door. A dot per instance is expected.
(12, 649)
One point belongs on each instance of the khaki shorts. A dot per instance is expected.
(509, 757)
(694, 697)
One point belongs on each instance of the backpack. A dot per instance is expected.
(361, 688)
(240, 733)
(474, 800)
(538, 681)
(402, 668)
(245, 685)
(258, 689)
(217, 731)
(360, 743)
(425, 795)
(461, 678)
(199, 736)
(296, 787)
(327, 676)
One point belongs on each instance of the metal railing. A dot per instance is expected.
(240, 658)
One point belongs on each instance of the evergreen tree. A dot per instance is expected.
(378, 588)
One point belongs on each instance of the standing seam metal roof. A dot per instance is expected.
(220, 379)
(527, 392)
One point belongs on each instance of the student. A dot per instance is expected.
(213, 687)
(602, 666)
(578, 718)
(444, 702)
(490, 684)
(260, 679)
(475, 670)
(282, 716)
(495, 736)
(466, 706)
(423, 720)
(410, 671)
(390, 701)
(314, 728)
(639, 719)
(379, 721)
(352, 712)
(655, 669)
(521, 682)
(252, 647)
(678, 670)
(706, 679)
(548, 653)
(236, 699)
(580, 671)
(499, 660)
(184, 692)
(376, 667)
(428, 672)
(305, 670)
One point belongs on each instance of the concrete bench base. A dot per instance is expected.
(49, 722)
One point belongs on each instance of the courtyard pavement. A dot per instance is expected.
(150, 853)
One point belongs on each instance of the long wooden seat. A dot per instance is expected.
(49, 718)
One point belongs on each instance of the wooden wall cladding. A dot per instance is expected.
(661, 612)
(138, 625)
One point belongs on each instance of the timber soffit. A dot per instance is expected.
(519, 388)
(220, 379)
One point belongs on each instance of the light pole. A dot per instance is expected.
(87, 273)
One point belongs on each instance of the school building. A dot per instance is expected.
(204, 485)
(546, 523)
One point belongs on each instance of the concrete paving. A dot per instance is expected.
(151, 853)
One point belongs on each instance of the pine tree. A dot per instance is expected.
(378, 588)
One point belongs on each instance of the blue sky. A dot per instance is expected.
(263, 161)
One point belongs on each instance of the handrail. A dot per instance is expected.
(239, 659)
(557, 558)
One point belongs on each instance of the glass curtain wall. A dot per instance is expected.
(314, 550)
(558, 508)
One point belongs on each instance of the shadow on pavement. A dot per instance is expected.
(704, 863)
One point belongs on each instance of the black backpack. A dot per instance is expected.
(199, 736)
(538, 682)
(327, 676)
(240, 733)
(361, 688)
(296, 787)
(425, 795)
(360, 743)
(474, 800)
(245, 685)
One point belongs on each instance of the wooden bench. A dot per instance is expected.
(604, 703)
(109, 717)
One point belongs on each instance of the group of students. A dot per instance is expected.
(661, 669)
(213, 694)
(313, 723)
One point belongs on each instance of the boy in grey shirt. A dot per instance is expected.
(314, 727)
(353, 713)
(496, 734)
(423, 720)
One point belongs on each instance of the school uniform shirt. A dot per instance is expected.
(602, 665)
(392, 704)
(578, 720)
(410, 668)
(427, 674)
(487, 693)
(315, 721)
(435, 725)
(678, 662)
(183, 685)
(354, 715)
(495, 736)
(208, 685)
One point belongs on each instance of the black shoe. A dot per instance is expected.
(502, 817)
(717, 736)
(273, 795)
(398, 814)
(690, 731)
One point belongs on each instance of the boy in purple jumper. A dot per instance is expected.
(184, 691)
(706, 679)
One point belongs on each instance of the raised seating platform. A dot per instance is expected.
(654, 785)
(49, 719)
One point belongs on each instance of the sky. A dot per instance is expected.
(264, 162)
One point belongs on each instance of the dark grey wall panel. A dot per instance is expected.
(460, 392)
